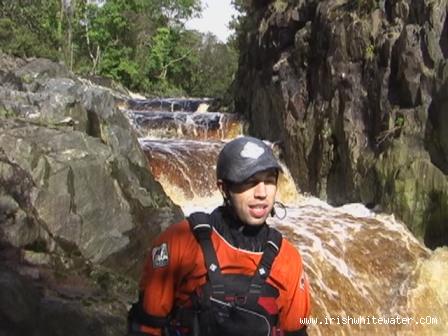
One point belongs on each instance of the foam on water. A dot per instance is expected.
(364, 264)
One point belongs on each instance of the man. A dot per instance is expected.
(227, 273)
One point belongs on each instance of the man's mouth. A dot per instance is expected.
(258, 210)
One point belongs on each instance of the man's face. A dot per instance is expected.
(253, 199)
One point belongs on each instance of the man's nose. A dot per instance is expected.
(260, 190)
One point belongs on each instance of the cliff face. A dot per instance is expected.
(356, 92)
(78, 205)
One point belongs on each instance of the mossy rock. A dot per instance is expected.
(413, 187)
(6, 113)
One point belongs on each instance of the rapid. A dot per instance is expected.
(369, 275)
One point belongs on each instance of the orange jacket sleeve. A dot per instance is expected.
(164, 269)
(297, 298)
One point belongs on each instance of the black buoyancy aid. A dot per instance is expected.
(234, 304)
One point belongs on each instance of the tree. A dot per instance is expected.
(119, 35)
(142, 44)
(213, 71)
(30, 27)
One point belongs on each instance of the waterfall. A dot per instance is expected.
(369, 275)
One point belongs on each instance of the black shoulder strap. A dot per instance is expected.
(270, 251)
(202, 230)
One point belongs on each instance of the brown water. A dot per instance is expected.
(362, 266)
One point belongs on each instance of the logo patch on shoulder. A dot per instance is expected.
(160, 257)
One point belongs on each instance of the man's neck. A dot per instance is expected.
(237, 233)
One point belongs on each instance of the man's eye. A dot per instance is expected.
(268, 180)
(272, 180)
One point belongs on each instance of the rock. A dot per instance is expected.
(78, 205)
(18, 304)
(73, 175)
(355, 94)
(25, 309)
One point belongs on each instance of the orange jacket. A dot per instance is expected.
(171, 283)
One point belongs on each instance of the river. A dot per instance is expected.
(369, 275)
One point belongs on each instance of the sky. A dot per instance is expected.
(215, 18)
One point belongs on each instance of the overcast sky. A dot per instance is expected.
(215, 18)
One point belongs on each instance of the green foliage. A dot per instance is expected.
(140, 43)
(6, 113)
(30, 28)
(162, 53)
(179, 10)
(110, 24)
(239, 23)
(198, 64)
(214, 69)
(117, 64)
(399, 121)
(393, 131)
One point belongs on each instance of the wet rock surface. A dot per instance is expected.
(78, 205)
(356, 92)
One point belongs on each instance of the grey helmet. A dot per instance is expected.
(243, 157)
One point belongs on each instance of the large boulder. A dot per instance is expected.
(84, 182)
(356, 93)
(78, 204)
